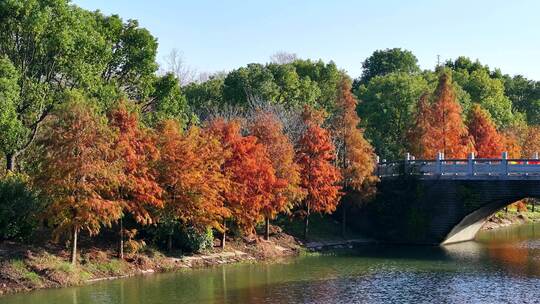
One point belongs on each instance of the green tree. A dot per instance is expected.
(249, 83)
(387, 108)
(383, 62)
(525, 96)
(327, 77)
(56, 47)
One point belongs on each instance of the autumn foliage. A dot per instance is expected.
(80, 172)
(250, 172)
(319, 177)
(287, 191)
(440, 125)
(190, 171)
(137, 151)
(488, 143)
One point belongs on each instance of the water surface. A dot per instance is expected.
(501, 266)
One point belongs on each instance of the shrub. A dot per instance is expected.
(194, 240)
(19, 208)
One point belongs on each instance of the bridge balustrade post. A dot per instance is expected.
(438, 163)
(504, 163)
(535, 155)
(378, 164)
(407, 161)
(470, 164)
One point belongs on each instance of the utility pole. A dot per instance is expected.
(438, 60)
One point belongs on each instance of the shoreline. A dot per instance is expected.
(32, 268)
(42, 268)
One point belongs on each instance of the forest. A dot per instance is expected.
(96, 136)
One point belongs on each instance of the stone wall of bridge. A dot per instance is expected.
(439, 211)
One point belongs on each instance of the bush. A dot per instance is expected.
(193, 240)
(19, 208)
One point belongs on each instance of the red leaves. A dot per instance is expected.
(79, 171)
(136, 148)
(439, 126)
(488, 143)
(249, 169)
(319, 177)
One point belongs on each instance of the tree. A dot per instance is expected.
(355, 156)
(422, 123)
(191, 175)
(254, 81)
(319, 177)
(250, 171)
(79, 174)
(488, 143)
(525, 96)
(176, 65)
(269, 132)
(57, 47)
(383, 62)
(139, 191)
(387, 109)
(283, 57)
(446, 131)
(531, 142)
(11, 128)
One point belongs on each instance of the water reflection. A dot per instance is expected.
(501, 266)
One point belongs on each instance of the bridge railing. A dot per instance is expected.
(461, 168)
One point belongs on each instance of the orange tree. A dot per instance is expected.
(355, 155)
(286, 191)
(488, 143)
(445, 130)
(250, 172)
(319, 177)
(136, 147)
(79, 173)
(191, 175)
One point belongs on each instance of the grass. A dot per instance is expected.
(20, 269)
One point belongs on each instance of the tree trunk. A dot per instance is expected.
(169, 242)
(343, 220)
(267, 228)
(74, 246)
(506, 209)
(533, 203)
(10, 162)
(121, 248)
(306, 222)
(224, 234)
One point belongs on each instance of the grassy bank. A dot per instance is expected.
(26, 267)
(512, 216)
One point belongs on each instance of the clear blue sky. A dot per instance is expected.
(222, 35)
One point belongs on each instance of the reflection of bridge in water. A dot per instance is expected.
(458, 196)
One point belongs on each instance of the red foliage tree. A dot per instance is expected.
(137, 150)
(355, 155)
(191, 174)
(80, 173)
(319, 177)
(286, 191)
(445, 131)
(488, 143)
(250, 171)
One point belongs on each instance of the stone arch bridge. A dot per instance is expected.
(448, 200)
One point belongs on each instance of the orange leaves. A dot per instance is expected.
(439, 126)
(319, 177)
(488, 143)
(136, 148)
(79, 171)
(286, 189)
(191, 174)
(355, 155)
(250, 171)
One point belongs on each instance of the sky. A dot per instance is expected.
(224, 35)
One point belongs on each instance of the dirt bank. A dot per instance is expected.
(505, 219)
(25, 268)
